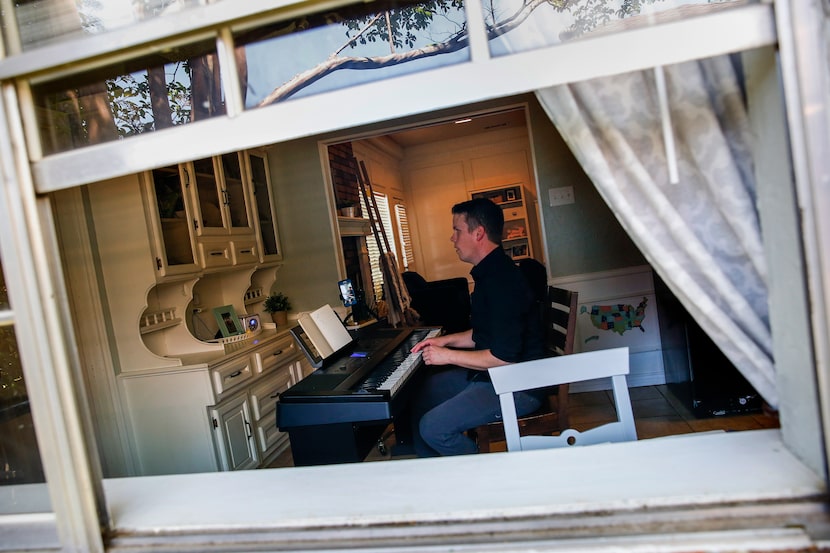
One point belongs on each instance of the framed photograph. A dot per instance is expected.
(227, 320)
(511, 195)
(520, 251)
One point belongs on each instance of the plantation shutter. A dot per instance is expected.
(408, 256)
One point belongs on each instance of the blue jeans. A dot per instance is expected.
(449, 404)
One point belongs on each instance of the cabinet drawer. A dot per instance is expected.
(512, 213)
(244, 252)
(215, 254)
(231, 374)
(264, 394)
(273, 355)
(268, 435)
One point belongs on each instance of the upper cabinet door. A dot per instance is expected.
(266, 209)
(170, 221)
(235, 193)
(209, 201)
(220, 196)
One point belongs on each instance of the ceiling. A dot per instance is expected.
(450, 129)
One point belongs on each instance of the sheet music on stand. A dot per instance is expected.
(325, 330)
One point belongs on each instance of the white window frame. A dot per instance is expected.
(518, 497)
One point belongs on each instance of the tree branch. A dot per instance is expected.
(453, 44)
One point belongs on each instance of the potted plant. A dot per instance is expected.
(277, 305)
(347, 208)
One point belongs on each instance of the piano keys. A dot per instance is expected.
(338, 413)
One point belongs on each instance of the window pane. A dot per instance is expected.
(170, 201)
(517, 26)
(40, 22)
(19, 455)
(235, 190)
(172, 87)
(353, 45)
(267, 225)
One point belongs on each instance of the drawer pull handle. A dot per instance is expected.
(278, 352)
(275, 395)
(248, 251)
(234, 375)
(217, 253)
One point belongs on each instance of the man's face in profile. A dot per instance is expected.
(462, 238)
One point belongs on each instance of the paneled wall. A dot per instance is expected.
(441, 174)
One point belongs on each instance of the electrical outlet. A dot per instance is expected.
(561, 196)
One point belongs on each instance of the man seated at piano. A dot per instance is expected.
(506, 329)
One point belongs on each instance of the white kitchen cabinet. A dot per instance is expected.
(211, 213)
(221, 195)
(175, 243)
(222, 200)
(229, 375)
(264, 396)
(216, 411)
(266, 221)
(234, 434)
(169, 218)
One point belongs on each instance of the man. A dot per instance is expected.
(505, 329)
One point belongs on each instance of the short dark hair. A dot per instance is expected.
(482, 212)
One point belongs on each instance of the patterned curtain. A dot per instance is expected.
(701, 233)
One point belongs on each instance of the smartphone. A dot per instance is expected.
(347, 292)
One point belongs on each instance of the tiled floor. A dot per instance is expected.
(657, 412)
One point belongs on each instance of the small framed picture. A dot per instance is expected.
(227, 320)
(510, 195)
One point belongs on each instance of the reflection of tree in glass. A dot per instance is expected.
(401, 27)
(130, 99)
(12, 386)
(148, 101)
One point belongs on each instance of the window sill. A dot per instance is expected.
(432, 499)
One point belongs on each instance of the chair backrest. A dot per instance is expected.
(536, 275)
(560, 320)
(577, 367)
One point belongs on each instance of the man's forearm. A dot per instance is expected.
(479, 360)
(462, 339)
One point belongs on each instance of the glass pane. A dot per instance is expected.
(40, 22)
(19, 455)
(353, 45)
(172, 216)
(172, 87)
(235, 190)
(267, 225)
(518, 26)
(209, 201)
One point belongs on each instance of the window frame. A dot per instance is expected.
(27, 241)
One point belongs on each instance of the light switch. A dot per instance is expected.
(561, 196)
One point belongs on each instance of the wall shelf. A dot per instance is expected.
(158, 320)
(353, 226)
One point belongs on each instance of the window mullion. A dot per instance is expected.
(44, 337)
(477, 31)
(225, 52)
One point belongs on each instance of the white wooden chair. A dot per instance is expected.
(576, 367)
